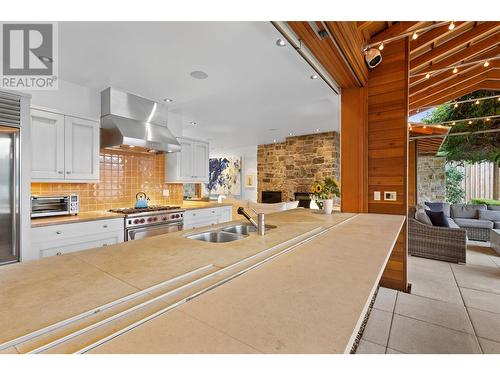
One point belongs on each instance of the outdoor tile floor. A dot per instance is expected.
(452, 308)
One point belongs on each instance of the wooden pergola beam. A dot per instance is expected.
(453, 44)
(488, 47)
(474, 75)
(430, 36)
(396, 29)
(448, 75)
(448, 95)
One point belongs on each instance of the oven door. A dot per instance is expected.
(156, 230)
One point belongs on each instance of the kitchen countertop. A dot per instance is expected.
(81, 217)
(311, 299)
(103, 215)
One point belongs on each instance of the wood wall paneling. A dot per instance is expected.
(412, 173)
(388, 148)
(353, 150)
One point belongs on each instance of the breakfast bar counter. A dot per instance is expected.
(308, 294)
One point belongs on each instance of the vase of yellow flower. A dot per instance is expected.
(323, 193)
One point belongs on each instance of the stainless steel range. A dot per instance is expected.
(151, 221)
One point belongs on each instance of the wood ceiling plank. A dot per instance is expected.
(448, 75)
(431, 36)
(454, 83)
(453, 45)
(488, 47)
(396, 29)
(326, 53)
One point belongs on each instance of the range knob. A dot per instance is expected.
(177, 216)
(150, 219)
(142, 221)
(165, 218)
(155, 219)
(136, 221)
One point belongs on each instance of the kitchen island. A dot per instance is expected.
(304, 287)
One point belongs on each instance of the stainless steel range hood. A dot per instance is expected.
(129, 121)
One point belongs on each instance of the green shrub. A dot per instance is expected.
(491, 202)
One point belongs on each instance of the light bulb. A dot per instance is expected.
(486, 64)
(425, 127)
(455, 70)
(452, 26)
(488, 119)
(456, 105)
(470, 122)
(477, 101)
(414, 36)
(453, 123)
(381, 47)
(418, 110)
(428, 75)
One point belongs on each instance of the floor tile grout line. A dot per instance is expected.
(392, 319)
(467, 312)
(435, 324)
(479, 290)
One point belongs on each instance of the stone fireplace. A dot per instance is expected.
(292, 166)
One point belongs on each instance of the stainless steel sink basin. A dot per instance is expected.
(216, 236)
(245, 228)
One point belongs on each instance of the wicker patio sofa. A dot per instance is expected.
(427, 241)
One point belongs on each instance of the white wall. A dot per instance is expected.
(81, 101)
(248, 166)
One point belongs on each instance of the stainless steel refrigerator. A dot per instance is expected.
(9, 181)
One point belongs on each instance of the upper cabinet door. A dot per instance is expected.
(200, 163)
(82, 149)
(47, 145)
(186, 160)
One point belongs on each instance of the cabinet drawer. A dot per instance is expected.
(201, 213)
(71, 245)
(64, 231)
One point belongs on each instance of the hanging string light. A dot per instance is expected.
(451, 26)
(381, 47)
(428, 75)
(454, 122)
(486, 64)
(455, 70)
(414, 36)
(456, 103)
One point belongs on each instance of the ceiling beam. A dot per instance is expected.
(451, 94)
(490, 85)
(465, 54)
(459, 79)
(454, 44)
(430, 36)
(448, 75)
(396, 29)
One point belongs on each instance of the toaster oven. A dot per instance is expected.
(54, 205)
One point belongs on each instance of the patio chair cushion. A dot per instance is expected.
(474, 223)
(439, 206)
(494, 207)
(438, 219)
(452, 223)
(422, 217)
(497, 225)
(466, 211)
(489, 215)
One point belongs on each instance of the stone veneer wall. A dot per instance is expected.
(431, 179)
(292, 166)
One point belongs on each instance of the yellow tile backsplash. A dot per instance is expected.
(122, 175)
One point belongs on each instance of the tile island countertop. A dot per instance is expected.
(310, 299)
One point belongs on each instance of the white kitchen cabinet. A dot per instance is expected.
(81, 149)
(207, 216)
(47, 145)
(64, 148)
(67, 238)
(190, 164)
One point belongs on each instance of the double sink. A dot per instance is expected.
(228, 234)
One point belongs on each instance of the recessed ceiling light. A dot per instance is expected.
(314, 76)
(317, 130)
(198, 74)
(280, 43)
(131, 146)
(168, 100)
(290, 134)
(46, 59)
(193, 123)
(274, 140)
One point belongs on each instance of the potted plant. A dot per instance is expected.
(323, 193)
